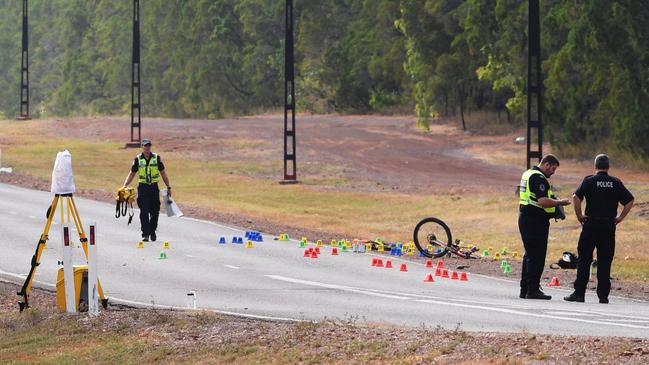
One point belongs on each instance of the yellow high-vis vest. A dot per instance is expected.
(148, 173)
(527, 197)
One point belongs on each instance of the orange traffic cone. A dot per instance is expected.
(388, 264)
(455, 276)
(554, 282)
(334, 251)
(440, 264)
(445, 273)
(379, 263)
(429, 279)
(429, 263)
(403, 268)
(438, 272)
(464, 277)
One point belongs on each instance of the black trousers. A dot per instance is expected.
(148, 200)
(600, 234)
(534, 233)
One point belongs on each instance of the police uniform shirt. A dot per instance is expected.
(136, 163)
(603, 193)
(539, 186)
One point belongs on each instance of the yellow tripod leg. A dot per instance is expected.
(36, 259)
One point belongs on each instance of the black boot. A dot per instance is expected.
(153, 236)
(523, 293)
(145, 238)
(537, 294)
(603, 300)
(574, 297)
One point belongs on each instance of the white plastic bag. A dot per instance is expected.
(62, 176)
(170, 206)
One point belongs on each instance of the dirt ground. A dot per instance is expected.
(372, 153)
(172, 337)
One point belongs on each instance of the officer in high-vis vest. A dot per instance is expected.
(537, 205)
(149, 169)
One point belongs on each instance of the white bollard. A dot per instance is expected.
(192, 294)
(68, 273)
(93, 291)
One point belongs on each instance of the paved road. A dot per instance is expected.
(274, 280)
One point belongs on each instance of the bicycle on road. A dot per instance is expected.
(433, 238)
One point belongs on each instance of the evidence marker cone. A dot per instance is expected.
(403, 268)
(302, 244)
(554, 281)
(445, 273)
(333, 243)
(455, 276)
(388, 264)
(429, 263)
(438, 271)
(374, 259)
(334, 251)
(429, 278)
(440, 264)
(249, 244)
(464, 277)
(163, 256)
(379, 263)
(140, 244)
(307, 253)
(497, 256)
(317, 250)
(314, 255)
(166, 245)
(318, 243)
(515, 254)
(507, 269)
(222, 241)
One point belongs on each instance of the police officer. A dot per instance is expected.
(537, 205)
(149, 168)
(603, 193)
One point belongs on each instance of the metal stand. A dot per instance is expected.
(534, 84)
(136, 110)
(290, 172)
(72, 214)
(24, 67)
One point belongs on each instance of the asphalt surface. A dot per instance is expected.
(274, 280)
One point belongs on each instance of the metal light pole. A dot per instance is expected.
(136, 106)
(290, 168)
(24, 67)
(534, 84)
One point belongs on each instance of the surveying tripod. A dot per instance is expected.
(72, 212)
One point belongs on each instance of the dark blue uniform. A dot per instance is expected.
(603, 194)
(534, 226)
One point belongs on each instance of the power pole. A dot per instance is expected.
(290, 172)
(24, 67)
(136, 106)
(534, 84)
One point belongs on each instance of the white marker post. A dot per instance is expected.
(93, 292)
(68, 273)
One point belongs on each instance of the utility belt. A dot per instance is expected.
(530, 211)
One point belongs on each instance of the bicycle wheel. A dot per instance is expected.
(434, 232)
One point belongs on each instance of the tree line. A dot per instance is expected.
(213, 58)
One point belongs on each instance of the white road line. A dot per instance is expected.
(405, 296)
(338, 287)
(232, 267)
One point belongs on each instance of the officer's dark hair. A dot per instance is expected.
(601, 162)
(551, 159)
